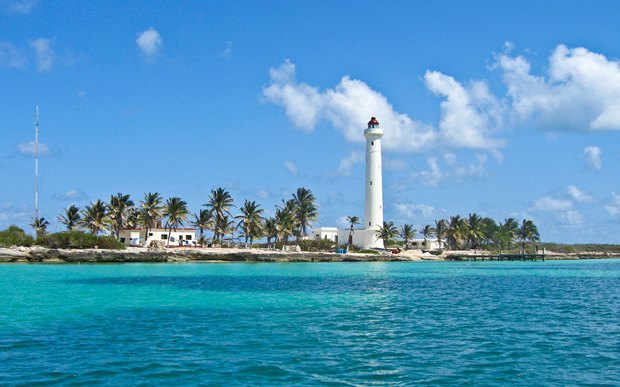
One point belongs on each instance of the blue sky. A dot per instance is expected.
(506, 109)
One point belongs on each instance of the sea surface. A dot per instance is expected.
(399, 323)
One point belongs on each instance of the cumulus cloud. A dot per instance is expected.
(27, 149)
(592, 156)
(45, 54)
(578, 195)
(469, 116)
(149, 42)
(351, 102)
(549, 204)
(12, 56)
(291, 167)
(580, 91)
(347, 163)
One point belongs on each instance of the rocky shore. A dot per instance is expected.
(44, 255)
(129, 255)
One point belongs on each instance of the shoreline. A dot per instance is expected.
(220, 255)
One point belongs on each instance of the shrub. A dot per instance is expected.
(315, 246)
(15, 236)
(78, 240)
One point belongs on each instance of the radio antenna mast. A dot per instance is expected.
(36, 164)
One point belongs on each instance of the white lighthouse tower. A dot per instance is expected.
(373, 212)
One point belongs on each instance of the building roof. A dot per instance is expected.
(160, 229)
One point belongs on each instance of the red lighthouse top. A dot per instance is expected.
(373, 122)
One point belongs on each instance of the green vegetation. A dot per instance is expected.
(15, 236)
(78, 240)
(580, 248)
(388, 232)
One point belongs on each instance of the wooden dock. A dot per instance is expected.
(497, 257)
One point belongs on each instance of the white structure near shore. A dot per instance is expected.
(178, 237)
(373, 210)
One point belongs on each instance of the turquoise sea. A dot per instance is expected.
(484, 323)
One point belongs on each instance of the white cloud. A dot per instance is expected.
(71, 195)
(592, 156)
(415, 212)
(549, 204)
(613, 207)
(291, 167)
(263, 194)
(347, 163)
(435, 175)
(467, 115)
(581, 90)
(431, 177)
(227, 51)
(22, 7)
(44, 53)
(578, 195)
(471, 170)
(11, 56)
(394, 164)
(27, 149)
(149, 42)
(571, 218)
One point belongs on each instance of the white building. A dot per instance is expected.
(373, 210)
(178, 237)
(426, 245)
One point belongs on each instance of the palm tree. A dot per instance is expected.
(427, 231)
(228, 228)
(271, 230)
(176, 213)
(40, 226)
(441, 227)
(133, 218)
(474, 229)
(490, 230)
(508, 232)
(150, 212)
(71, 218)
(94, 216)
(305, 210)
(251, 220)
(204, 221)
(528, 231)
(456, 231)
(285, 221)
(353, 220)
(118, 212)
(407, 232)
(219, 206)
(388, 232)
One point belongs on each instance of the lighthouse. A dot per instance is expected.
(373, 211)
